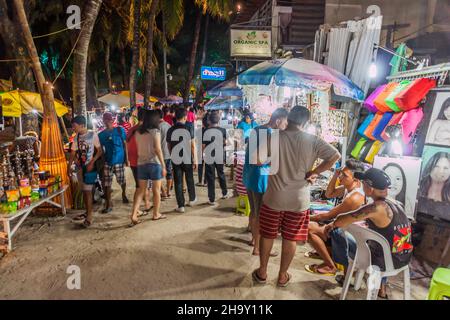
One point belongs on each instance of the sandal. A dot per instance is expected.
(312, 255)
(81, 217)
(257, 278)
(314, 268)
(86, 224)
(125, 200)
(106, 210)
(145, 212)
(161, 217)
(284, 285)
(134, 223)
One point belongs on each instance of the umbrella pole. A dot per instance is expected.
(20, 127)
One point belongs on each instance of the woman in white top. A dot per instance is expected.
(151, 165)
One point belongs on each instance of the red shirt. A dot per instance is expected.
(168, 118)
(126, 126)
(132, 147)
(190, 117)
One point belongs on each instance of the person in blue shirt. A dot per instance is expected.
(114, 143)
(256, 175)
(247, 124)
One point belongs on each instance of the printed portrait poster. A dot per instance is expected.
(434, 186)
(439, 125)
(405, 174)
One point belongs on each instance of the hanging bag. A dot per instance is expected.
(369, 131)
(411, 97)
(369, 103)
(365, 124)
(365, 150)
(376, 147)
(410, 122)
(390, 100)
(380, 101)
(382, 125)
(357, 149)
(394, 121)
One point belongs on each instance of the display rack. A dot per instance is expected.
(439, 72)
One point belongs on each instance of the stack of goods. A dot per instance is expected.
(394, 105)
(20, 185)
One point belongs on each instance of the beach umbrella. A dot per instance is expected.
(301, 74)
(223, 103)
(171, 99)
(122, 99)
(226, 89)
(18, 102)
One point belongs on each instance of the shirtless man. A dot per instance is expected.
(351, 190)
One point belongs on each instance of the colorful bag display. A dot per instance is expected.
(394, 121)
(410, 122)
(390, 100)
(365, 124)
(357, 149)
(369, 131)
(382, 125)
(369, 103)
(376, 147)
(380, 101)
(411, 97)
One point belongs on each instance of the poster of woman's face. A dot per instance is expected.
(404, 173)
(439, 129)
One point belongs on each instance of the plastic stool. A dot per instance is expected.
(440, 284)
(243, 205)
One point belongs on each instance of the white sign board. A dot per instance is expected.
(251, 43)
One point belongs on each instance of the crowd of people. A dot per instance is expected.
(160, 144)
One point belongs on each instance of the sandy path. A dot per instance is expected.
(201, 254)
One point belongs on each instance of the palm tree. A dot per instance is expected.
(81, 56)
(216, 8)
(148, 61)
(136, 8)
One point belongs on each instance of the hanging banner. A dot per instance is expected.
(251, 43)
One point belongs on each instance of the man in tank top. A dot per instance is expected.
(350, 189)
(387, 217)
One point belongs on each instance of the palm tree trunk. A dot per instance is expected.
(123, 69)
(52, 152)
(81, 56)
(205, 40)
(198, 24)
(135, 51)
(107, 66)
(149, 58)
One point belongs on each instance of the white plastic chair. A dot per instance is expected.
(362, 261)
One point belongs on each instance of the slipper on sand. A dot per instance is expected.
(284, 285)
(312, 255)
(161, 217)
(314, 269)
(134, 223)
(257, 278)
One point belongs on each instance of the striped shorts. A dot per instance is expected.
(240, 188)
(292, 225)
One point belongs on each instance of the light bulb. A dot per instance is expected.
(373, 70)
(397, 147)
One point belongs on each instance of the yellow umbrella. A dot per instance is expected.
(17, 102)
(139, 96)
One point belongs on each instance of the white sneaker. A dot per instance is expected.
(180, 210)
(228, 195)
(191, 203)
(212, 203)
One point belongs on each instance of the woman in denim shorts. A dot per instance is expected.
(150, 164)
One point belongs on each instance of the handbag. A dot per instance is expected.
(369, 103)
(390, 100)
(376, 120)
(380, 101)
(394, 121)
(365, 150)
(410, 122)
(376, 147)
(382, 125)
(357, 149)
(411, 97)
(365, 124)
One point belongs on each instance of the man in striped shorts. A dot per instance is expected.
(286, 202)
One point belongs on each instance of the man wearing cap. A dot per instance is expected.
(384, 216)
(113, 141)
(286, 202)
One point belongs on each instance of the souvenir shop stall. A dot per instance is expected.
(406, 133)
(290, 82)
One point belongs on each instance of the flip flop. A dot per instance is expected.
(80, 217)
(145, 212)
(257, 278)
(284, 285)
(106, 210)
(86, 224)
(312, 255)
(314, 269)
(134, 223)
(125, 200)
(161, 217)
